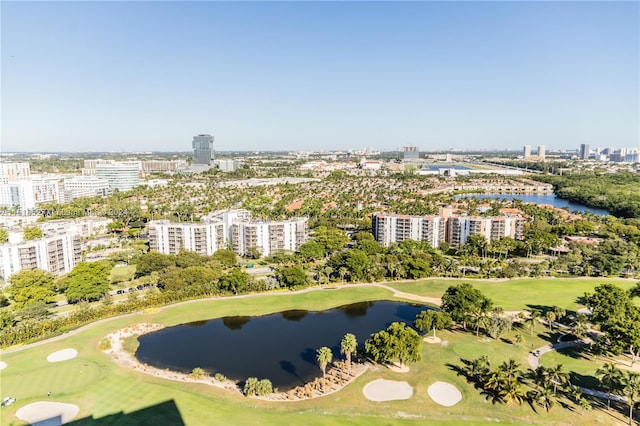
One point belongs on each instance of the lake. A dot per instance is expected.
(550, 199)
(280, 347)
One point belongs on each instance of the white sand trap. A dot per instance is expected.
(387, 390)
(44, 413)
(444, 394)
(432, 339)
(62, 355)
(3, 365)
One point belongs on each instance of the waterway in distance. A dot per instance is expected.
(550, 199)
(280, 347)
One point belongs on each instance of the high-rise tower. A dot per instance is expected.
(202, 149)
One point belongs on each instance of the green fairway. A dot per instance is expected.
(116, 395)
(519, 294)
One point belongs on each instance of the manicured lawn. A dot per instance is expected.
(122, 273)
(519, 294)
(116, 395)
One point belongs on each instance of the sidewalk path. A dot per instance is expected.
(395, 292)
(534, 362)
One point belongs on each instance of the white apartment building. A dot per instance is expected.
(15, 170)
(85, 186)
(82, 226)
(222, 229)
(269, 237)
(391, 228)
(169, 238)
(454, 229)
(57, 254)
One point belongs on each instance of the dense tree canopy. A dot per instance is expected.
(87, 281)
(462, 300)
(397, 342)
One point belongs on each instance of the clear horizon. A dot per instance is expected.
(302, 76)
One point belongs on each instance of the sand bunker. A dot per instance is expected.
(387, 390)
(62, 355)
(44, 413)
(432, 339)
(3, 365)
(444, 394)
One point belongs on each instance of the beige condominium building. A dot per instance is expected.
(454, 229)
(228, 229)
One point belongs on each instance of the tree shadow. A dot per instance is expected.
(291, 369)
(164, 413)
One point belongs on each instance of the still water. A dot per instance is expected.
(550, 199)
(280, 347)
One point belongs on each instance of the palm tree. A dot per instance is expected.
(551, 317)
(558, 376)
(324, 357)
(479, 368)
(585, 405)
(581, 326)
(348, 346)
(532, 319)
(511, 391)
(631, 389)
(540, 377)
(342, 272)
(545, 397)
(510, 369)
(560, 312)
(609, 377)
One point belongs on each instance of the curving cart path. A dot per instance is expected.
(534, 362)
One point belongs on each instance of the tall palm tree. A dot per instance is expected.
(510, 369)
(545, 397)
(550, 317)
(558, 376)
(631, 389)
(540, 377)
(585, 405)
(348, 346)
(532, 319)
(609, 377)
(324, 357)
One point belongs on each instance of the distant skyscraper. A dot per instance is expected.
(584, 151)
(526, 152)
(411, 153)
(202, 149)
(542, 151)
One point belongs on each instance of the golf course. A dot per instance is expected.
(107, 393)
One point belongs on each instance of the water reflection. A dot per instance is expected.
(294, 315)
(280, 347)
(356, 309)
(235, 323)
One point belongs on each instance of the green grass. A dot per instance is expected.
(107, 392)
(122, 273)
(519, 294)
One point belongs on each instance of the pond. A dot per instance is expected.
(280, 347)
(550, 199)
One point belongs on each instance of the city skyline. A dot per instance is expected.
(148, 76)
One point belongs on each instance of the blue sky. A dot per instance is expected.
(94, 76)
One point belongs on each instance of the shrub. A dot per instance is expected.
(130, 344)
(220, 377)
(250, 386)
(197, 373)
